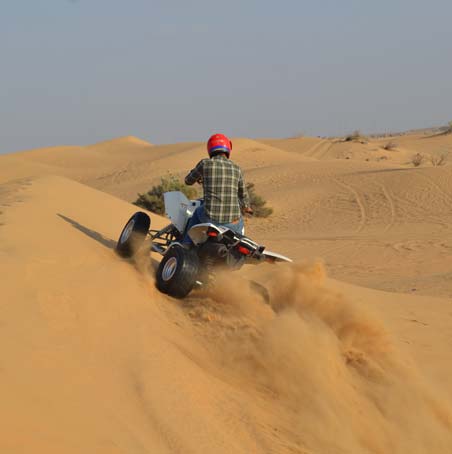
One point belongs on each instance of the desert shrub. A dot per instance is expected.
(390, 146)
(438, 159)
(355, 136)
(258, 203)
(417, 159)
(153, 199)
(449, 128)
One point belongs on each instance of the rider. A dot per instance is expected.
(225, 195)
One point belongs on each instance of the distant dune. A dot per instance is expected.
(351, 356)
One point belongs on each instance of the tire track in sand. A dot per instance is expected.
(446, 197)
(312, 152)
(326, 149)
(361, 206)
(391, 207)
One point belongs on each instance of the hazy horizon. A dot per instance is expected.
(78, 72)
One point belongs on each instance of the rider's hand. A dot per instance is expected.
(248, 210)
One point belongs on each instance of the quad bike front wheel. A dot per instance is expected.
(133, 234)
(178, 271)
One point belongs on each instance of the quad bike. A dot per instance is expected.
(185, 266)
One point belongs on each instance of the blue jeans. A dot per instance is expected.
(200, 217)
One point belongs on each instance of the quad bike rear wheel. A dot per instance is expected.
(133, 234)
(178, 271)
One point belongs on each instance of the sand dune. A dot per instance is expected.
(403, 148)
(94, 359)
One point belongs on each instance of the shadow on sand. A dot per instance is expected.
(107, 242)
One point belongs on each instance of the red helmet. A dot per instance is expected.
(219, 143)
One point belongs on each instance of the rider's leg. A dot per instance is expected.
(200, 217)
(237, 226)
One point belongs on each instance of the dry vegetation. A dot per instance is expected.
(356, 136)
(449, 128)
(390, 146)
(438, 159)
(417, 159)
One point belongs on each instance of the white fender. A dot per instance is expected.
(179, 209)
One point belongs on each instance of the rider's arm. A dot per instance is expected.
(243, 195)
(195, 174)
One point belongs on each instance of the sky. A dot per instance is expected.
(75, 72)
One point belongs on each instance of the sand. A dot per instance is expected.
(352, 356)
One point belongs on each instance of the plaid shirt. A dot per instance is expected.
(224, 189)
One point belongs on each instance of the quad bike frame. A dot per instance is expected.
(185, 266)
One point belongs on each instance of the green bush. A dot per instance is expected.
(257, 203)
(153, 199)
